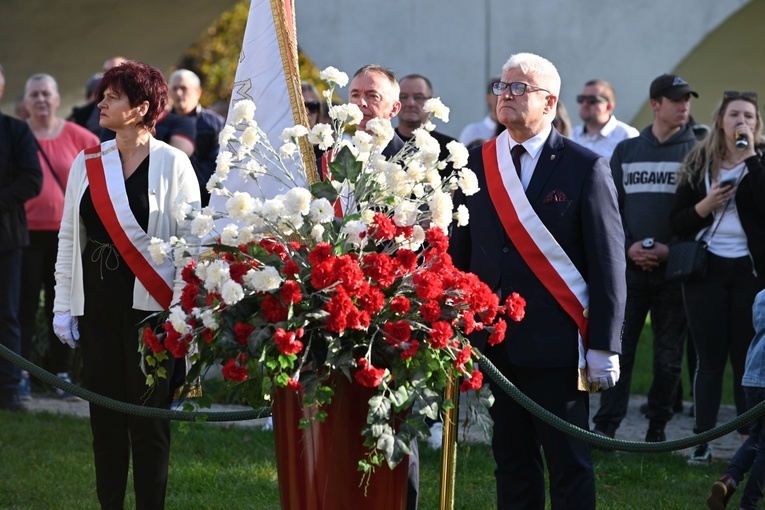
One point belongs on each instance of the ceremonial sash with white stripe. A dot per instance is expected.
(326, 159)
(539, 249)
(107, 189)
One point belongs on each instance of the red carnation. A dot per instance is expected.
(208, 335)
(367, 375)
(437, 239)
(273, 309)
(411, 350)
(339, 307)
(274, 248)
(463, 357)
(290, 268)
(287, 342)
(472, 382)
(516, 306)
(189, 296)
(151, 340)
(294, 385)
(400, 304)
(430, 311)
(383, 228)
(291, 292)
(406, 259)
(320, 253)
(397, 332)
(242, 331)
(237, 271)
(178, 345)
(440, 334)
(500, 328)
(188, 274)
(371, 299)
(381, 268)
(233, 371)
(428, 285)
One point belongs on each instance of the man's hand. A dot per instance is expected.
(602, 368)
(645, 259)
(66, 329)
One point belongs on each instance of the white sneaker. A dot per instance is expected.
(436, 439)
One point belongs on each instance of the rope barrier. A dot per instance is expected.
(124, 407)
(606, 443)
(535, 409)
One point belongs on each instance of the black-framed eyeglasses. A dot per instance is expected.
(581, 98)
(418, 98)
(312, 106)
(517, 88)
(734, 94)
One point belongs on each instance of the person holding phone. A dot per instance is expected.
(720, 200)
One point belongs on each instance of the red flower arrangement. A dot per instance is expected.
(372, 296)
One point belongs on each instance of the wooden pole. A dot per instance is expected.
(449, 444)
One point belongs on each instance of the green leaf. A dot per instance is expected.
(379, 409)
(344, 166)
(324, 189)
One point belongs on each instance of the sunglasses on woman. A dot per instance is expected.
(312, 106)
(730, 95)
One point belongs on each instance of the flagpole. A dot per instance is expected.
(449, 444)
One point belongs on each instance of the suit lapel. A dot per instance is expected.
(548, 160)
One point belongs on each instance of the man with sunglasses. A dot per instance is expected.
(646, 170)
(601, 130)
(545, 224)
(416, 89)
(185, 91)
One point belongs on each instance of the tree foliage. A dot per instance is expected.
(216, 55)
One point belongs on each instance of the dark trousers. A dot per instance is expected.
(38, 267)
(109, 341)
(10, 331)
(520, 440)
(751, 455)
(648, 291)
(719, 309)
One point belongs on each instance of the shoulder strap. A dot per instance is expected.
(47, 161)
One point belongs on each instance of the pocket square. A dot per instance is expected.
(555, 196)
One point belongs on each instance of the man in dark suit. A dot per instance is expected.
(545, 224)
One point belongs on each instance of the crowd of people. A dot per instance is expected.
(603, 200)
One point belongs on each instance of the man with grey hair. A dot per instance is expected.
(545, 225)
(20, 180)
(185, 91)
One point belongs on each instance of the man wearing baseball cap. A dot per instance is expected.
(645, 170)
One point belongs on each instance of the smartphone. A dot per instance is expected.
(727, 183)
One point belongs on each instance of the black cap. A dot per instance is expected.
(671, 86)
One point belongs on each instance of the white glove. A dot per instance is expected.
(66, 329)
(602, 368)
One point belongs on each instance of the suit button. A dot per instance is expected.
(505, 249)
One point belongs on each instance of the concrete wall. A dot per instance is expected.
(460, 44)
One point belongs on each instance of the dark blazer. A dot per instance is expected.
(573, 193)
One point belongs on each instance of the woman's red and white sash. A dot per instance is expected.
(107, 189)
(539, 249)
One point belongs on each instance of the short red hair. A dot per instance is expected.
(139, 82)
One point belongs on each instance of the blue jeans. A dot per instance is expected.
(648, 291)
(751, 455)
(10, 330)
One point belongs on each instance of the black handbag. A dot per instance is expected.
(687, 261)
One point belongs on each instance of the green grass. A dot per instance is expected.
(47, 465)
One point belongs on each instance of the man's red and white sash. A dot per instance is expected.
(107, 189)
(539, 249)
(326, 159)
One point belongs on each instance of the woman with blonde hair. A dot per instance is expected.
(720, 200)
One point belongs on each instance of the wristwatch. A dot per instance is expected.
(648, 243)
